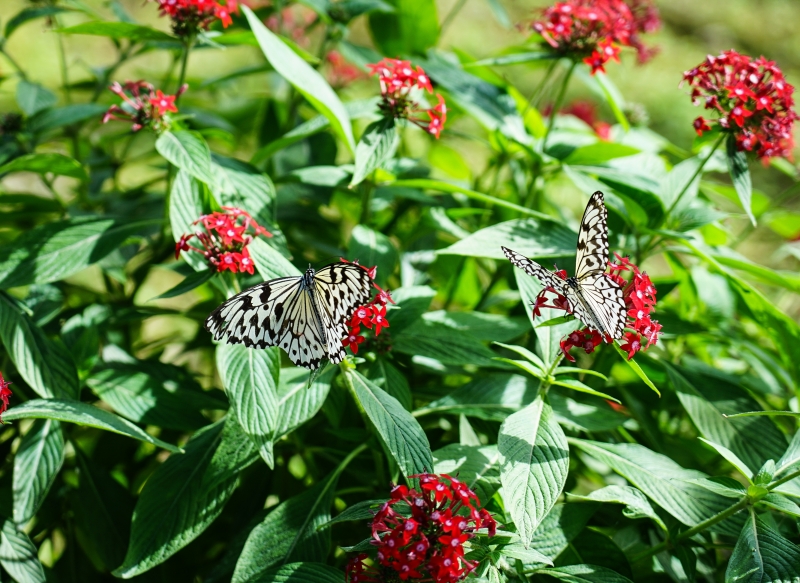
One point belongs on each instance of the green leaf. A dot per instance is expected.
(412, 28)
(602, 86)
(308, 82)
(119, 30)
(269, 262)
(732, 458)
(481, 325)
(185, 495)
(598, 153)
(36, 465)
(636, 503)
(82, 414)
(707, 399)
(535, 465)
(443, 345)
(560, 527)
(582, 416)
(576, 385)
(790, 457)
(188, 151)
(18, 555)
(289, 533)
(661, 479)
(478, 466)
(33, 98)
(595, 548)
(584, 574)
(137, 394)
(32, 13)
(400, 433)
(46, 365)
(492, 397)
(300, 573)
(297, 401)
(50, 163)
(190, 282)
(378, 143)
(384, 374)
(762, 554)
(781, 504)
(372, 248)
(740, 175)
(185, 207)
(636, 368)
(58, 117)
(412, 302)
(57, 250)
(251, 378)
(360, 511)
(514, 59)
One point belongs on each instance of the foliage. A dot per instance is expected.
(135, 447)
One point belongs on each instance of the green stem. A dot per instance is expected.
(741, 504)
(547, 381)
(62, 54)
(366, 200)
(187, 47)
(695, 175)
(451, 15)
(783, 480)
(14, 63)
(557, 103)
(539, 91)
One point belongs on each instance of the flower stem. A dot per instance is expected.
(695, 175)
(557, 104)
(783, 480)
(366, 200)
(13, 63)
(730, 511)
(187, 47)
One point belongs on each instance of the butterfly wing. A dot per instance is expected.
(547, 278)
(339, 289)
(592, 256)
(598, 303)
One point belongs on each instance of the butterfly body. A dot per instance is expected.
(595, 299)
(305, 315)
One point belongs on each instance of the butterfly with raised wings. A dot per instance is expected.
(305, 315)
(593, 298)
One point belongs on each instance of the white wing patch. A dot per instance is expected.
(306, 316)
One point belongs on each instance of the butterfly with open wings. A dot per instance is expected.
(593, 298)
(305, 315)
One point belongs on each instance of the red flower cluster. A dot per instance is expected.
(142, 105)
(425, 540)
(225, 240)
(594, 30)
(398, 78)
(753, 100)
(340, 72)
(640, 301)
(373, 314)
(5, 393)
(190, 16)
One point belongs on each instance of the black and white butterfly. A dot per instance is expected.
(305, 315)
(594, 298)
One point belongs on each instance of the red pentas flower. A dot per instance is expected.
(420, 534)
(5, 393)
(372, 314)
(142, 106)
(190, 16)
(340, 72)
(398, 80)
(224, 240)
(640, 301)
(595, 30)
(752, 100)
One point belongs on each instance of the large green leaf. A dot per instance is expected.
(636, 503)
(186, 494)
(289, 533)
(82, 414)
(493, 397)
(740, 174)
(534, 238)
(251, 379)
(58, 117)
(377, 144)
(189, 152)
(411, 28)
(18, 555)
(401, 434)
(269, 262)
(388, 377)
(57, 250)
(411, 303)
(31, 13)
(560, 527)
(297, 401)
(443, 345)
(664, 481)
(300, 573)
(119, 30)
(50, 163)
(707, 400)
(185, 207)
(584, 574)
(308, 82)
(371, 248)
(36, 465)
(478, 466)
(535, 465)
(45, 364)
(763, 555)
(33, 98)
(483, 326)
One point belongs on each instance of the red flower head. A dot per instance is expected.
(224, 240)
(752, 100)
(5, 393)
(142, 106)
(398, 79)
(595, 30)
(340, 72)
(420, 534)
(190, 16)
(372, 314)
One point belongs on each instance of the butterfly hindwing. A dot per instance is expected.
(608, 304)
(306, 316)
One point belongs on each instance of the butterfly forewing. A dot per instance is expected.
(547, 278)
(306, 317)
(592, 251)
